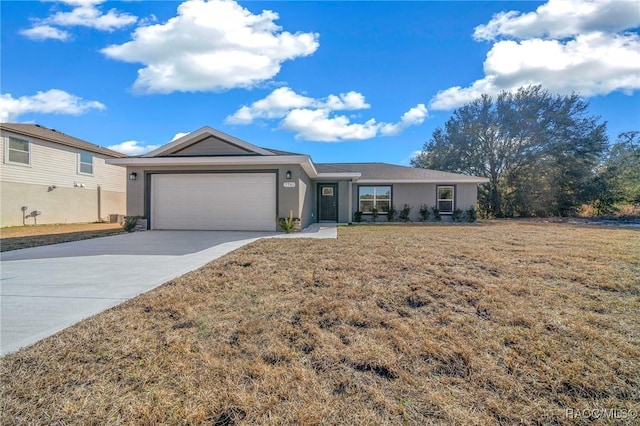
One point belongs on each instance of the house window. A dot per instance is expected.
(374, 197)
(86, 163)
(327, 191)
(445, 199)
(18, 151)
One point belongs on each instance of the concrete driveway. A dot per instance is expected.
(47, 289)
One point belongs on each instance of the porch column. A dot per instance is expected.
(349, 220)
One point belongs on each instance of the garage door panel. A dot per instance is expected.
(225, 201)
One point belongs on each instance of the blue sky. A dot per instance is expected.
(341, 81)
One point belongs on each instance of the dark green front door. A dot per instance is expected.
(327, 202)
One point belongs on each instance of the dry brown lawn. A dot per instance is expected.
(500, 323)
(19, 237)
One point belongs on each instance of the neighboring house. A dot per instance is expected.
(210, 180)
(49, 177)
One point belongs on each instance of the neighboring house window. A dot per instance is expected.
(445, 199)
(18, 151)
(370, 197)
(86, 163)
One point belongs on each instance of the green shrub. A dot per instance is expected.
(424, 213)
(286, 223)
(391, 214)
(471, 214)
(357, 216)
(405, 212)
(374, 214)
(457, 215)
(436, 213)
(130, 223)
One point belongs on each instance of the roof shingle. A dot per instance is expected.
(50, 135)
(391, 172)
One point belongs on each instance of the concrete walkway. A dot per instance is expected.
(47, 289)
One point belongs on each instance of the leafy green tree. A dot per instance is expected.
(538, 150)
(618, 180)
(624, 158)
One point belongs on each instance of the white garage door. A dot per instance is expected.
(214, 201)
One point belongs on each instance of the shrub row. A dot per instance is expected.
(425, 212)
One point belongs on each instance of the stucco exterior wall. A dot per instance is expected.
(466, 196)
(302, 199)
(418, 194)
(344, 215)
(415, 195)
(52, 184)
(59, 205)
(289, 198)
(305, 200)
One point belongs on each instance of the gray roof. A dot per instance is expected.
(391, 172)
(50, 135)
(279, 152)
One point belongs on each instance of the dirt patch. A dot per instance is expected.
(19, 237)
(497, 324)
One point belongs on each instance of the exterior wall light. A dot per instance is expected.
(288, 174)
(133, 176)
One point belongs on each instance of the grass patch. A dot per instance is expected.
(19, 237)
(505, 323)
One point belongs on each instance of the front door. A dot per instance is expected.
(328, 202)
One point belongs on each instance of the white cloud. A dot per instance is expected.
(44, 32)
(177, 136)
(85, 13)
(282, 100)
(582, 55)
(414, 117)
(53, 101)
(211, 45)
(347, 101)
(276, 105)
(407, 160)
(315, 119)
(318, 125)
(133, 147)
(563, 18)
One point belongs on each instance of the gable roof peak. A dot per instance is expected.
(204, 133)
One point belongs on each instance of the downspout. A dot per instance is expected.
(350, 219)
(99, 204)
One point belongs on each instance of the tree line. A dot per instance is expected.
(544, 155)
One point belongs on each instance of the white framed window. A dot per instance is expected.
(446, 198)
(374, 197)
(85, 163)
(18, 151)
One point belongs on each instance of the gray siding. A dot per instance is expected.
(210, 146)
(55, 164)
